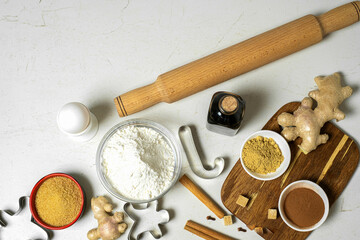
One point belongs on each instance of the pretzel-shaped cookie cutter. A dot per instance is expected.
(193, 157)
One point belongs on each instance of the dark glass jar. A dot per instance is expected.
(226, 113)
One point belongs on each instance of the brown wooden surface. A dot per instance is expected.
(331, 165)
(237, 59)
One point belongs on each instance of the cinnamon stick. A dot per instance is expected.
(198, 233)
(201, 195)
(204, 232)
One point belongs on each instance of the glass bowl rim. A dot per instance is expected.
(164, 132)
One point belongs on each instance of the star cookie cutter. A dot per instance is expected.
(21, 223)
(146, 220)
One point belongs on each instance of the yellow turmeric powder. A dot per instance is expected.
(262, 155)
(58, 201)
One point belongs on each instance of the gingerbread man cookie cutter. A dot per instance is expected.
(12, 224)
(146, 220)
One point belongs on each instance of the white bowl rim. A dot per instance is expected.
(284, 147)
(169, 137)
(304, 184)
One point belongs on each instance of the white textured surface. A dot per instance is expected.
(57, 51)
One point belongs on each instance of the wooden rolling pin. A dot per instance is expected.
(237, 59)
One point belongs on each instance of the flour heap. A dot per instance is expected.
(138, 162)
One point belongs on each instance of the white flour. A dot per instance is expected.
(138, 162)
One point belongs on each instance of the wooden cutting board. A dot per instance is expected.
(331, 165)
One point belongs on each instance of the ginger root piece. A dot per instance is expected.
(306, 122)
(110, 227)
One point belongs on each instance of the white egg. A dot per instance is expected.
(73, 118)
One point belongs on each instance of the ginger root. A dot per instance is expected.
(306, 122)
(110, 227)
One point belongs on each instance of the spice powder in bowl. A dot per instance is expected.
(303, 205)
(262, 155)
(265, 155)
(57, 201)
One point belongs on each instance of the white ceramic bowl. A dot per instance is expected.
(284, 147)
(164, 132)
(303, 184)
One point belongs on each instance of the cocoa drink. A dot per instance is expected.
(304, 207)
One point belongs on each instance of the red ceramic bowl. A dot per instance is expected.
(32, 201)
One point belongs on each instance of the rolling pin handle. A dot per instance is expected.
(138, 99)
(340, 17)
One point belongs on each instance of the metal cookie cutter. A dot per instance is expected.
(193, 157)
(146, 220)
(20, 225)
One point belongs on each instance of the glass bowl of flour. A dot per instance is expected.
(138, 161)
